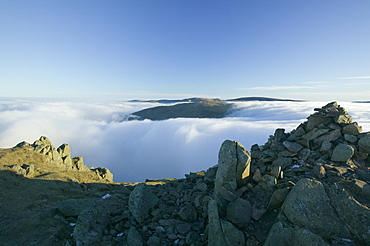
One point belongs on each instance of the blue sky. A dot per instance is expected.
(313, 50)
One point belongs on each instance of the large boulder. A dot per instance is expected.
(233, 166)
(141, 200)
(364, 143)
(342, 153)
(308, 206)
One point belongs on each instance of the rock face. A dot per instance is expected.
(307, 187)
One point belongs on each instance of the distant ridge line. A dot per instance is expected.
(198, 99)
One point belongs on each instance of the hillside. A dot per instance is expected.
(201, 109)
(193, 108)
(305, 187)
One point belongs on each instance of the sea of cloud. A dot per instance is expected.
(139, 150)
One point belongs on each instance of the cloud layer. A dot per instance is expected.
(136, 150)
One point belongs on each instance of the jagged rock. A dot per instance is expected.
(350, 138)
(315, 120)
(233, 236)
(78, 163)
(283, 162)
(44, 146)
(215, 233)
(353, 129)
(355, 216)
(188, 213)
(343, 119)
(308, 206)
(330, 136)
(281, 235)
(104, 173)
(182, 227)
(65, 153)
(239, 211)
(267, 182)
(89, 228)
(364, 143)
(277, 198)
(315, 133)
(233, 166)
(342, 153)
(134, 238)
(279, 134)
(319, 171)
(292, 146)
(141, 200)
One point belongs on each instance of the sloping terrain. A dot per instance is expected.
(202, 109)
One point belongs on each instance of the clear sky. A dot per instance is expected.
(314, 50)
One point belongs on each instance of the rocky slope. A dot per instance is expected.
(306, 187)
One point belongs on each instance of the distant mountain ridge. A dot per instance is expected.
(199, 99)
(193, 108)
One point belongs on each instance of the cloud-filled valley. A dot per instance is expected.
(136, 150)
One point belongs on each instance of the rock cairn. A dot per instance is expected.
(306, 187)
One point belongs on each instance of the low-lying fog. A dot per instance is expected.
(137, 150)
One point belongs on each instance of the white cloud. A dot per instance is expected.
(274, 88)
(136, 150)
(358, 77)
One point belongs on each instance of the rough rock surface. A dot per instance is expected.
(310, 186)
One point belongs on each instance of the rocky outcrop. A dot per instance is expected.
(60, 158)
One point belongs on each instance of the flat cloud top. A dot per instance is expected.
(136, 150)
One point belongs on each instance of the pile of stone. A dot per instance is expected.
(306, 187)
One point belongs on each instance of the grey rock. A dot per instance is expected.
(188, 213)
(279, 235)
(183, 228)
(215, 234)
(308, 206)
(304, 154)
(239, 211)
(319, 171)
(350, 138)
(233, 236)
(355, 216)
(90, 227)
(78, 163)
(342, 153)
(267, 182)
(292, 146)
(233, 166)
(315, 120)
(134, 238)
(364, 143)
(277, 198)
(330, 136)
(325, 146)
(141, 200)
(315, 133)
(353, 129)
(279, 134)
(283, 162)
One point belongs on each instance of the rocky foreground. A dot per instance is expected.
(306, 187)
